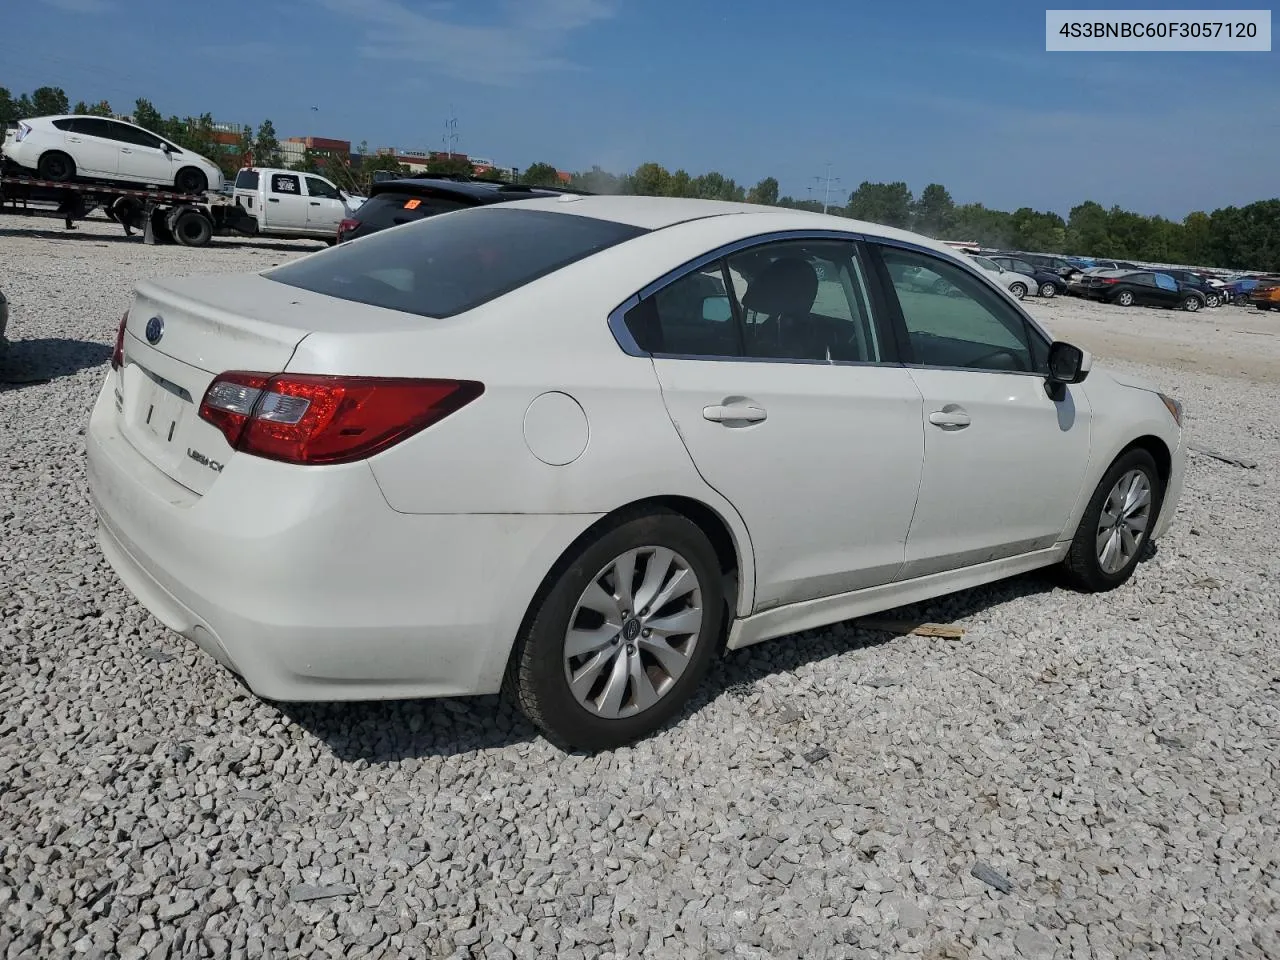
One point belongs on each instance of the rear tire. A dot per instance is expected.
(623, 651)
(1088, 566)
(191, 180)
(1048, 290)
(192, 229)
(1191, 304)
(1124, 298)
(56, 166)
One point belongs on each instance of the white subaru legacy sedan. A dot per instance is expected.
(572, 448)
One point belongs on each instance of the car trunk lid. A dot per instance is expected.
(179, 335)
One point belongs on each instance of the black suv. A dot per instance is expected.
(393, 202)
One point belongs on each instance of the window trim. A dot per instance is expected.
(885, 327)
(905, 350)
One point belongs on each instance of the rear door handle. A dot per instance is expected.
(125, 150)
(734, 413)
(315, 203)
(272, 200)
(950, 418)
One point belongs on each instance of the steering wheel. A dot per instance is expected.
(999, 351)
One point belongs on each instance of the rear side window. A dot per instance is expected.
(247, 180)
(444, 266)
(285, 183)
(393, 208)
(65, 123)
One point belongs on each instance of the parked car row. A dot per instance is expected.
(1124, 283)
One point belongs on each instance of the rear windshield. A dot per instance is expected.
(247, 180)
(392, 208)
(446, 265)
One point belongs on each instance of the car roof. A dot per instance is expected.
(656, 213)
(484, 191)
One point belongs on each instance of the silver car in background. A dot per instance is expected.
(1018, 284)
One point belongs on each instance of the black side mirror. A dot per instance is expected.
(1067, 364)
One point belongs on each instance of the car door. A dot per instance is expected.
(91, 146)
(325, 209)
(781, 382)
(286, 207)
(142, 156)
(1146, 291)
(1003, 462)
(1164, 290)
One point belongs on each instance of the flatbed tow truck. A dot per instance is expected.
(163, 216)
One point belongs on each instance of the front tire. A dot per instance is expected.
(1191, 304)
(622, 637)
(1212, 300)
(1116, 524)
(191, 180)
(56, 166)
(1019, 290)
(1048, 290)
(1124, 298)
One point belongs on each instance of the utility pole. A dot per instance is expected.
(450, 138)
(827, 181)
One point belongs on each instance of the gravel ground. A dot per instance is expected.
(1108, 764)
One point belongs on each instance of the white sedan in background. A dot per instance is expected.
(68, 148)
(533, 447)
(1018, 284)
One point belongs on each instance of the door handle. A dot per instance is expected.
(315, 203)
(734, 413)
(74, 140)
(950, 418)
(125, 150)
(272, 200)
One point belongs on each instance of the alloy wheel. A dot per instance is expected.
(1122, 525)
(633, 632)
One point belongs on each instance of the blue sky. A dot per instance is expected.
(914, 91)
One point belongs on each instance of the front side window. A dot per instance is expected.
(321, 188)
(285, 183)
(136, 136)
(1164, 281)
(955, 319)
(443, 266)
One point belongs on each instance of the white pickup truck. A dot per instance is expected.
(290, 203)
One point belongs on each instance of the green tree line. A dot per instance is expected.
(1245, 237)
(1238, 237)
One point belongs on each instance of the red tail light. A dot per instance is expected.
(347, 226)
(117, 355)
(1110, 279)
(310, 419)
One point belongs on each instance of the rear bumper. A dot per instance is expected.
(308, 585)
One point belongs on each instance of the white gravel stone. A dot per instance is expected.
(1114, 755)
